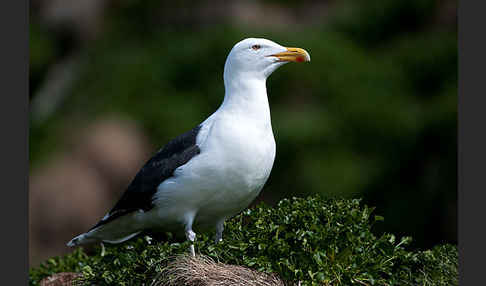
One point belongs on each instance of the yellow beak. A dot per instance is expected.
(293, 55)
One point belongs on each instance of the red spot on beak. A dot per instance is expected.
(300, 59)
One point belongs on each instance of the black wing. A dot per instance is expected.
(139, 193)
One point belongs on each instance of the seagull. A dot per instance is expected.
(214, 171)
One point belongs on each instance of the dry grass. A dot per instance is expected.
(60, 279)
(203, 271)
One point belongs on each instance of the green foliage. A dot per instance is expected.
(373, 22)
(43, 52)
(313, 240)
(77, 261)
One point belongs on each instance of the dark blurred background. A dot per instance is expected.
(372, 116)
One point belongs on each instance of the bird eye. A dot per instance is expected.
(256, 47)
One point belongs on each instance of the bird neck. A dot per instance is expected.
(246, 97)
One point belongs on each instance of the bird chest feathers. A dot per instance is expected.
(242, 152)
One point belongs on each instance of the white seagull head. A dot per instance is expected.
(256, 58)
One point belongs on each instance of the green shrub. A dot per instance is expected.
(314, 240)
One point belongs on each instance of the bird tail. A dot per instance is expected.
(85, 239)
(80, 239)
(116, 231)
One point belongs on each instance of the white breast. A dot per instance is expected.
(240, 152)
(235, 162)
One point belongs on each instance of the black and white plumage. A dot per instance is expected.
(161, 166)
(214, 171)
